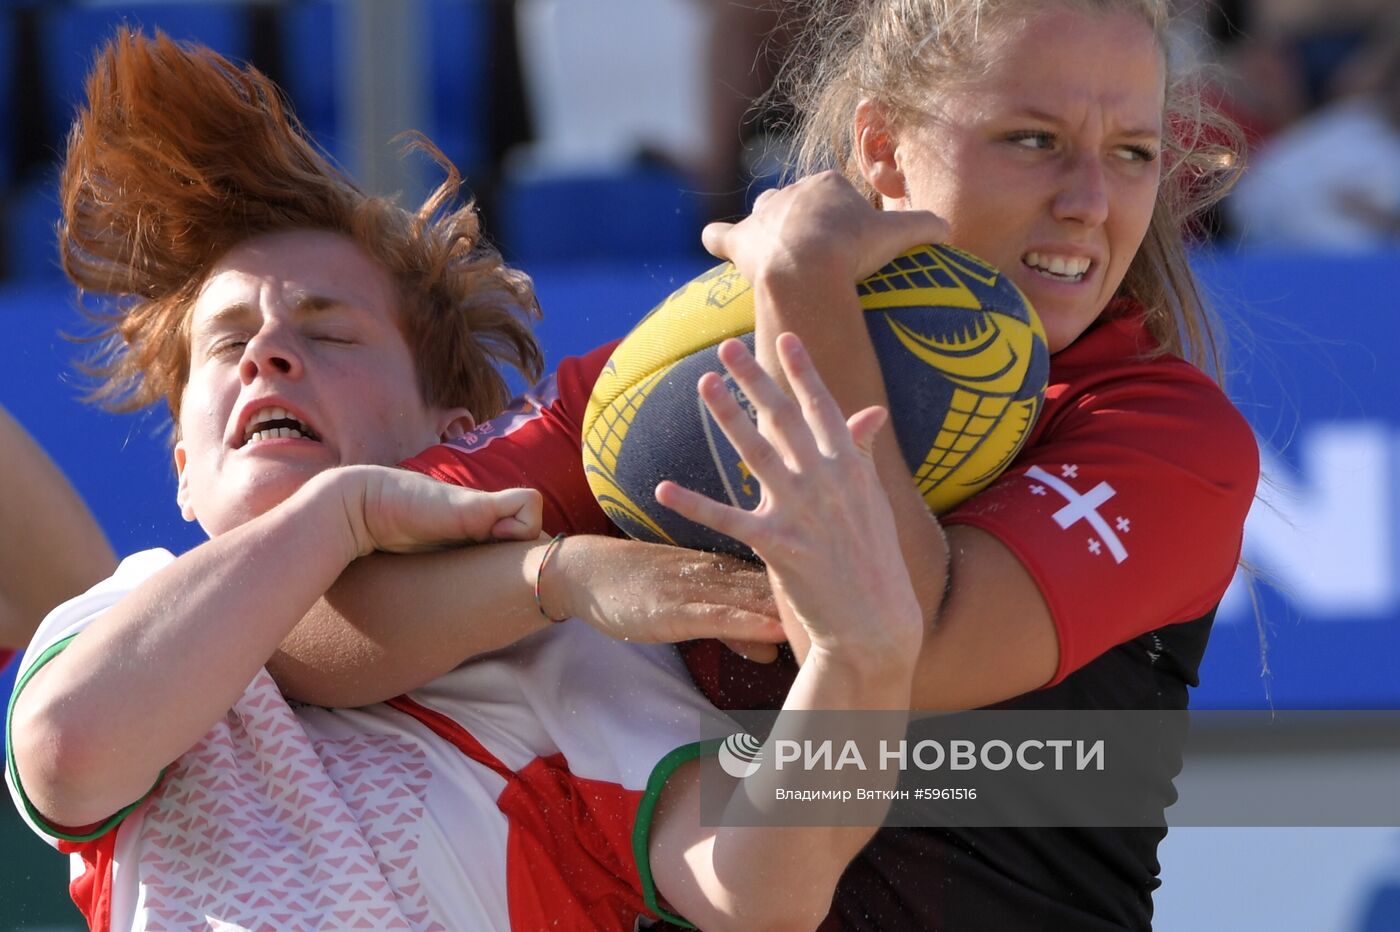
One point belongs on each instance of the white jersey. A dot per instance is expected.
(502, 795)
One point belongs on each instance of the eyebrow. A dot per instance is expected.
(304, 304)
(224, 316)
(310, 302)
(1153, 132)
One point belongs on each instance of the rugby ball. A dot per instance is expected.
(962, 353)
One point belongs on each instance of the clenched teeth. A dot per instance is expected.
(1072, 268)
(273, 423)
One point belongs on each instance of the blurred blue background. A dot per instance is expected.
(592, 160)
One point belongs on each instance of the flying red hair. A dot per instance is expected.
(180, 154)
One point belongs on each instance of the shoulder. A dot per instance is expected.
(584, 369)
(1128, 503)
(1113, 388)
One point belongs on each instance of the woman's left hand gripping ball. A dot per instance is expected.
(823, 524)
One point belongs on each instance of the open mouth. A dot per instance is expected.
(274, 423)
(1058, 268)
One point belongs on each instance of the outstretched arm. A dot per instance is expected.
(394, 622)
(50, 546)
(93, 727)
(825, 529)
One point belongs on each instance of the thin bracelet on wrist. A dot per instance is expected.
(539, 578)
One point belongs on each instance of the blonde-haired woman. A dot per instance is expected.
(1053, 140)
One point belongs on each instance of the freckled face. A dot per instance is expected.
(297, 365)
(1048, 164)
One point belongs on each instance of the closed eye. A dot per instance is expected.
(225, 345)
(335, 339)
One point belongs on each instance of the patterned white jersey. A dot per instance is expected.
(502, 795)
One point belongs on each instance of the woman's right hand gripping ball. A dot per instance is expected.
(823, 524)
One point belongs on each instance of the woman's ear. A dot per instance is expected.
(454, 423)
(182, 483)
(877, 149)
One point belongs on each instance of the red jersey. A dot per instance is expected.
(1126, 504)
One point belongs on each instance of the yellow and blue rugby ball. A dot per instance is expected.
(962, 352)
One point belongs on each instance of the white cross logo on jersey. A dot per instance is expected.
(1083, 507)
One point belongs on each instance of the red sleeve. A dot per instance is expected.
(1128, 505)
(537, 442)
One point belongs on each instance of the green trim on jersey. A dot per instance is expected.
(646, 812)
(35, 816)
